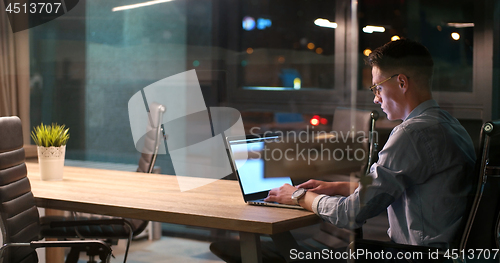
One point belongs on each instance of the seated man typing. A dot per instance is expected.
(424, 171)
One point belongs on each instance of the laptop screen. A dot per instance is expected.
(251, 172)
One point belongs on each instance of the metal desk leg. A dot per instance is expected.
(250, 248)
(154, 231)
(54, 254)
(284, 243)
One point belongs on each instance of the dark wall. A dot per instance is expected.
(495, 114)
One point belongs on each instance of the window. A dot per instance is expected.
(445, 29)
(286, 45)
(273, 56)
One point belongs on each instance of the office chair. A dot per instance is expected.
(20, 226)
(482, 224)
(363, 130)
(364, 133)
(155, 133)
(153, 138)
(346, 149)
(121, 228)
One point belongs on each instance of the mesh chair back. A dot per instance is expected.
(482, 227)
(154, 134)
(19, 215)
(362, 128)
(154, 137)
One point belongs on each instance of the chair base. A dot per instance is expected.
(92, 252)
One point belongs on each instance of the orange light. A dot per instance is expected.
(249, 50)
(319, 50)
(367, 52)
(311, 46)
(281, 59)
(395, 37)
(314, 122)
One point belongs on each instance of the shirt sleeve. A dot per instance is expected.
(387, 180)
(315, 203)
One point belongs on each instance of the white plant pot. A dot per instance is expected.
(51, 161)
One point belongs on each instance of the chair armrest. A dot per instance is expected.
(73, 243)
(74, 223)
(117, 221)
(78, 243)
(97, 244)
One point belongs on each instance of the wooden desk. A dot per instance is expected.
(158, 198)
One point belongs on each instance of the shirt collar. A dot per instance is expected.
(422, 107)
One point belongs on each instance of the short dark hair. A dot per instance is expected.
(403, 54)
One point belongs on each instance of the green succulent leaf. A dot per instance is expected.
(53, 135)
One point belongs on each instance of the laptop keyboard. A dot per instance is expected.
(264, 203)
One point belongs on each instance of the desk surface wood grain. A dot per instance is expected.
(157, 197)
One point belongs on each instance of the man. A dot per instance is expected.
(424, 171)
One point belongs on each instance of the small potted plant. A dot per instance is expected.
(51, 146)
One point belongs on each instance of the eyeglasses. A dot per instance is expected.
(376, 91)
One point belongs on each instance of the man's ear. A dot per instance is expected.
(403, 82)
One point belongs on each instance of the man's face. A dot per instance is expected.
(391, 96)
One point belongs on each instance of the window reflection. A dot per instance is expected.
(445, 28)
(286, 45)
(86, 64)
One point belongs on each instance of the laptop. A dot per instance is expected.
(250, 172)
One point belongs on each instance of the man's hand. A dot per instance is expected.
(319, 187)
(282, 195)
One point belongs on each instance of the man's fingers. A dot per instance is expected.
(270, 198)
(304, 185)
(273, 191)
(316, 190)
(308, 185)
